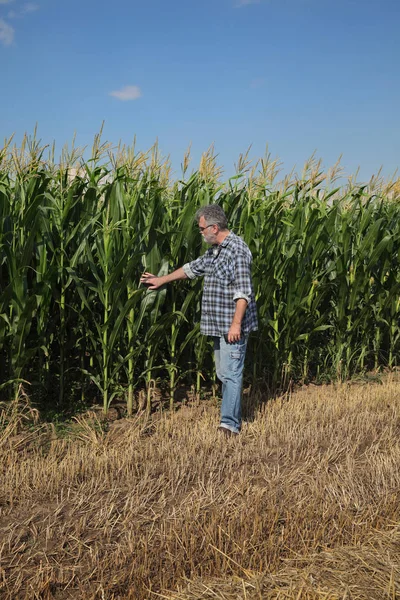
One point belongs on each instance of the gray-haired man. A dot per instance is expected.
(228, 311)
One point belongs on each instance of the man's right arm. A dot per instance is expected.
(153, 282)
(195, 268)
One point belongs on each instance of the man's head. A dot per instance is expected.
(212, 223)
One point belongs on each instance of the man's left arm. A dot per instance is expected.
(235, 330)
(241, 295)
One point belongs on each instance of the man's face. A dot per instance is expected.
(209, 232)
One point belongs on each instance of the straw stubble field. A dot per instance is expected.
(304, 504)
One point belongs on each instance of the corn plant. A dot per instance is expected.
(76, 325)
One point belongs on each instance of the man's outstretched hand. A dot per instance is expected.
(151, 281)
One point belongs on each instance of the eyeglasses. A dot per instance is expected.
(201, 229)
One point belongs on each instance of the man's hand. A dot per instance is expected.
(152, 281)
(234, 333)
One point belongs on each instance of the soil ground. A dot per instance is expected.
(304, 504)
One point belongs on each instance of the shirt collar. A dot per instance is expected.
(227, 239)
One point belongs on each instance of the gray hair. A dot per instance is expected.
(213, 215)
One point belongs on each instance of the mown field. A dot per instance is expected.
(303, 505)
(75, 235)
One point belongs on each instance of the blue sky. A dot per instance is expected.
(298, 75)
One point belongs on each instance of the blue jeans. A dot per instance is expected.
(229, 362)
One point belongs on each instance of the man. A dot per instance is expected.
(228, 311)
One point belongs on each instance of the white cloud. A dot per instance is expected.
(6, 33)
(129, 92)
(26, 9)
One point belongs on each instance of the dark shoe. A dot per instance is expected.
(227, 432)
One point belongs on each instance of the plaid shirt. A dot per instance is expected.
(227, 277)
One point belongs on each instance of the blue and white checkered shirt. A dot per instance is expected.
(227, 277)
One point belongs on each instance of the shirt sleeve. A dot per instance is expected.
(195, 268)
(242, 286)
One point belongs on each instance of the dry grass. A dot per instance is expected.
(304, 504)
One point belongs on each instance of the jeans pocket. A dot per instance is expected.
(236, 355)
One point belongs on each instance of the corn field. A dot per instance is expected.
(75, 236)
